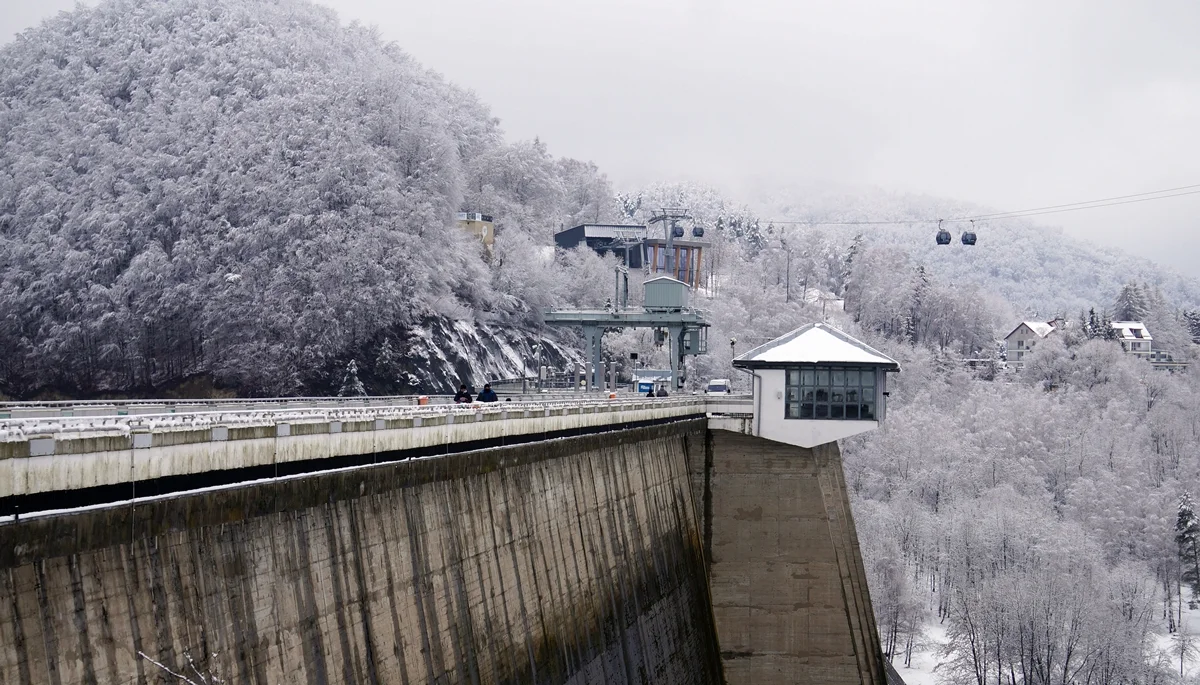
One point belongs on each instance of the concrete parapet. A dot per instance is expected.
(71, 460)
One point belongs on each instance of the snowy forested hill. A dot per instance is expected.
(1035, 534)
(245, 189)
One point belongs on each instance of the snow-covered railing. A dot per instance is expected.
(78, 454)
(69, 427)
(105, 408)
(69, 408)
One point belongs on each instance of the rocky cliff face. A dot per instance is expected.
(441, 353)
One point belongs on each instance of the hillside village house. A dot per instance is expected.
(1134, 337)
(481, 226)
(1023, 338)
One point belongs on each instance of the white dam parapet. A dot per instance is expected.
(49, 454)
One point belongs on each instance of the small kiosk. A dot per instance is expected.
(817, 385)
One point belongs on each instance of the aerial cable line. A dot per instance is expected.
(1030, 212)
(1091, 202)
(1016, 214)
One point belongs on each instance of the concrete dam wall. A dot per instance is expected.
(576, 560)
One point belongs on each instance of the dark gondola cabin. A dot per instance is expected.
(968, 238)
(943, 237)
(817, 385)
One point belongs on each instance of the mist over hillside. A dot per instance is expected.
(1029, 262)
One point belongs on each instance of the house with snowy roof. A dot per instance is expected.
(1134, 337)
(1024, 337)
(816, 385)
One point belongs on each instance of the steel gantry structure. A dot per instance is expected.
(666, 308)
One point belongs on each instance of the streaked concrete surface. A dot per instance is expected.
(567, 561)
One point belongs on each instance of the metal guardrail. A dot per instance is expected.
(555, 389)
(30, 428)
(11, 410)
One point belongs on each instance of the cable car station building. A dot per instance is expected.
(638, 247)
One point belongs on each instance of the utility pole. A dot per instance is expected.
(788, 276)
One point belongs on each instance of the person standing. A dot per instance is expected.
(488, 395)
(462, 396)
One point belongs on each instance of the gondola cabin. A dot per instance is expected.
(817, 385)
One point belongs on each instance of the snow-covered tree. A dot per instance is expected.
(1131, 304)
(351, 385)
(1187, 536)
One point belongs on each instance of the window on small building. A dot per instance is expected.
(1020, 344)
(1137, 332)
(830, 393)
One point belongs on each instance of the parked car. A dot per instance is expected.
(717, 386)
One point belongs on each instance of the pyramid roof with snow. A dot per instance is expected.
(816, 343)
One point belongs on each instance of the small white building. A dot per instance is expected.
(1134, 337)
(817, 385)
(1023, 338)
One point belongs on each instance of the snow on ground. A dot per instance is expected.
(1164, 641)
(925, 658)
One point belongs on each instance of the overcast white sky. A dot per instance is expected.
(1012, 104)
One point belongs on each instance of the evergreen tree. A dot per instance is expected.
(1132, 304)
(1107, 332)
(1092, 327)
(848, 263)
(351, 385)
(914, 319)
(1192, 319)
(1187, 536)
(387, 365)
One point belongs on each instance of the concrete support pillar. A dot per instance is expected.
(612, 376)
(675, 334)
(594, 335)
(789, 589)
